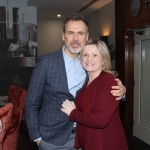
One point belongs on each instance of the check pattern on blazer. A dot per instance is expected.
(48, 83)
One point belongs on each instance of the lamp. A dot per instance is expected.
(104, 39)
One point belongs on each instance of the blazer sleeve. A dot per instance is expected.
(105, 105)
(34, 97)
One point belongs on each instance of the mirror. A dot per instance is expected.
(135, 8)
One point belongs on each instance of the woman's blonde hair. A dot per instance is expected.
(102, 47)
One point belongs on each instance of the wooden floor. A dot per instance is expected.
(25, 144)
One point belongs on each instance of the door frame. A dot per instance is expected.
(139, 130)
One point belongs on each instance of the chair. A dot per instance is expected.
(16, 96)
(5, 120)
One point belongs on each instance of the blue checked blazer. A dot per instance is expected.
(48, 83)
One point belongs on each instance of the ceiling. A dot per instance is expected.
(66, 7)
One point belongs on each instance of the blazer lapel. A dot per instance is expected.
(62, 71)
(63, 75)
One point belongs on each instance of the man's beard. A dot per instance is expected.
(74, 50)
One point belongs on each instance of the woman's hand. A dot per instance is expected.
(1, 126)
(119, 90)
(68, 106)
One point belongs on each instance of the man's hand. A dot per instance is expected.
(38, 142)
(119, 90)
(68, 106)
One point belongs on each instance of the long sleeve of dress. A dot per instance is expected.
(95, 104)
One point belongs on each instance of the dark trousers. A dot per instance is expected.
(68, 146)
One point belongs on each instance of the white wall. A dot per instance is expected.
(50, 30)
(49, 35)
(102, 22)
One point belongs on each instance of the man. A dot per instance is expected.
(58, 76)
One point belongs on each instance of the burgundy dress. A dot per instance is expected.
(97, 114)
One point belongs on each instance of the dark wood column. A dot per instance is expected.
(129, 83)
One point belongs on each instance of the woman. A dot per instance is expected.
(96, 111)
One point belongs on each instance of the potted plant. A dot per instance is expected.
(111, 49)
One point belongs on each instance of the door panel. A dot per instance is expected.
(141, 128)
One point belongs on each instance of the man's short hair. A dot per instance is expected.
(75, 17)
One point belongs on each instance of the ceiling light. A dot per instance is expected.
(58, 15)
